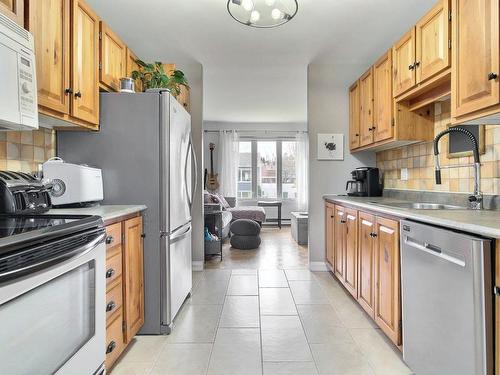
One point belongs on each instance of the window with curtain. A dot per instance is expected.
(268, 169)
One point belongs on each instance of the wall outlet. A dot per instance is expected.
(404, 174)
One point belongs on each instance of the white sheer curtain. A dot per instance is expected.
(302, 172)
(229, 163)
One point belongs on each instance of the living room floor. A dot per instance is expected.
(277, 250)
(265, 313)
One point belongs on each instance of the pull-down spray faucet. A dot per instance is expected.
(476, 199)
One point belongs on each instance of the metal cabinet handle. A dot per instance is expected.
(111, 347)
(373, 234)
(110, 273)
(343, 221)
(78, 94)
(357, 135)
(411, 67)
(68, 91)
(110, 306)
(109, 240)
(417, 64)
(492, 76)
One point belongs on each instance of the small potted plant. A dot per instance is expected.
(153, 76)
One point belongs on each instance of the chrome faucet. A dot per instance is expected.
(476, 199)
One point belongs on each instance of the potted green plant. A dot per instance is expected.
(153, 76)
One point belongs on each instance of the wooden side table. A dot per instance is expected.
(277, 204)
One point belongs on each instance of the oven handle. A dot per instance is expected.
(75, 253)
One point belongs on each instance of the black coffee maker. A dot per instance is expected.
(365, 183)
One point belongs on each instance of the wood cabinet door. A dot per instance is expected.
(329, 232)
(133, 277)
(49, 22)
(432, 34)
(14, 9)
(354, 116)
(184, 98)
(475, 29)
(351, 252)
(131, 66)
(339, 243)
(366, 108)
(403, 55)
(383, 100)
(387, 276)
(113, 58)
(85, 65)
(366, 279)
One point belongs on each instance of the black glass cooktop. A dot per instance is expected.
(23, 230)
(12, 225)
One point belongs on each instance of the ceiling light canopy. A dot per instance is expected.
(262, 13)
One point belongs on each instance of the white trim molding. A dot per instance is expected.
(318, 266)
(198, 265)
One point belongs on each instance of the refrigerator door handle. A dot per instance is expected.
(195, 161)
(189, 197)
(178, 237)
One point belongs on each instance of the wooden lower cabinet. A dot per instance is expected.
(125, 285)
(388, 278)
(367, 263)
(366, 273)
(329, 232)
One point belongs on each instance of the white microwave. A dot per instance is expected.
(18, 93)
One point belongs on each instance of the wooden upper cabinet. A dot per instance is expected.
(403, 54)
(85, 67)
(113, 58)
(339, 237)
(49, 22)
(387, 275)
(433, 53)
(351, 252)
(366, 108)
(383, 100)
(476, 58)
(184, 98)
(354, 116)
(366, 278)
(329, 232)
(131, 66)
(14, 9)
(133, 270)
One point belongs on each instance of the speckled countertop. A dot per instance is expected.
(485, 222)
(107, 212)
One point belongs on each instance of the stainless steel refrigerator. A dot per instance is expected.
(145, 151)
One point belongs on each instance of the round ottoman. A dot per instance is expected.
(245, 234)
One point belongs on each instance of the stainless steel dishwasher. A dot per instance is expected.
(447, 297)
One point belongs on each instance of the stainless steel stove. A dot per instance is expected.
(52, 292)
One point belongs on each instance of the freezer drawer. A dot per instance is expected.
(446, 301)
(178, 273)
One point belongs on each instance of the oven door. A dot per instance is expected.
(53, 320)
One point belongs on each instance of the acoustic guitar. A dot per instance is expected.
(212, 183)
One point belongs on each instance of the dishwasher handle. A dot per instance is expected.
(432, 250)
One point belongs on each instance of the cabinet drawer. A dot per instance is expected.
(113, 235)
(114, 340)
(114, 300)
(114, 266)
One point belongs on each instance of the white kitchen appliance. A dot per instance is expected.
(73, 183)
(18, 93)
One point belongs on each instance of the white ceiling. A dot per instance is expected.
(260, 75)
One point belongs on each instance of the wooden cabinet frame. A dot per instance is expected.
(112, 58)
(14, 10)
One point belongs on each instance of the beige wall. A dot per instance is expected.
(419, 159)
(24, 151)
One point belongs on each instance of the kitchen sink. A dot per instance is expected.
(421, 206)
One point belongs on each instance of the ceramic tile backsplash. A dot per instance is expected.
(24, 151)
(419, 159)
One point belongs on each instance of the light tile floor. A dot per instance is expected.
(262, 312)
(266, 322)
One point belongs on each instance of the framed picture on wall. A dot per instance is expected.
(330, 146)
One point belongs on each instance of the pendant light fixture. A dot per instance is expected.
(262, 13)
